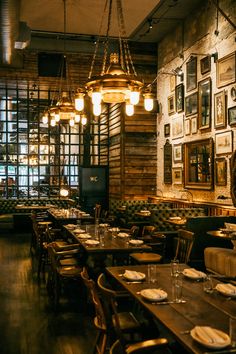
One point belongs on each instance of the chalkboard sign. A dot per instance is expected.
(167, 163)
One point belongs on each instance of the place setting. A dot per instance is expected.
(132, 277)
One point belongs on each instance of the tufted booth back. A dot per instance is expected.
(7, 206)
(159, 216)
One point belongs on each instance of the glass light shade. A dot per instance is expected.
(96, 97)
(79, 101)
(83, 120)
(148, 104)
(57, 117)
(53, 122)
(97, 109)
(72, 122)
(77, 118)
(134, 97)
(64, 192)
(45, 119)
(129, 109)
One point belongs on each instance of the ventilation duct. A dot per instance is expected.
(23, 39)
(9, 30)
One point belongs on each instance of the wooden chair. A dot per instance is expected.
(100, 322)
(184, 245)
(65, 266)
(122, 324)
(159, 345)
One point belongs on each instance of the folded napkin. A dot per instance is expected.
(71, 225)
(193, 273)
(209, 335)
(153, 294)
(131, 274)
(227, 289)
(136, 242)
(230, 226)
(84, 236)
(92, 242)
(122, 234)
(103, 225)
(79, 231)
(114, 229)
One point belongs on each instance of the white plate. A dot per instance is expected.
(136, 242)
(133, 275)
(79, 231)
(114, 229)
(220, 288)
(70, 226)
(92, 242)
(122, 234)
(154, 294)
(213, 345)
(193, 274)
(84, 236)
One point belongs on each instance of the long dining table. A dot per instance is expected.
(198, 309)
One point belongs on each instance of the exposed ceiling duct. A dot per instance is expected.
(9, 30)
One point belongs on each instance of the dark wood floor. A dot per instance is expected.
(27, 323)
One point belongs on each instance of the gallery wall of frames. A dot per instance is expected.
(197, 118)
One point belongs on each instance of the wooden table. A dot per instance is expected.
(32, 207)
(200, 309)
(177, 222)
(224, 235)
(67, 217)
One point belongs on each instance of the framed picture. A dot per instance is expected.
(224, 143)
(233, 93)
(172, 83)
(177, 177)
(225, 70)
(205, 64)
(191, 104)
(204, 104)
(194, 125)
(179, 98)
(177, 153)
(166, 130)
(167, 162)
(198, 164)
(191, 73)
(171, 104)
(177, 128)
(187, 126)
(232, 115)
(220, 109)
(221, 172)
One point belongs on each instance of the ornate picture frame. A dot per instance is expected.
(232, 115)
(177, 153)
(167, 130)
(220, 172)
(204, 104)
(224, 143)
(194, 125)
(179, 98)
(177, 127)
(225, 70)
(171, 104)
(220, 109)
(191, 104)
(205, 64)
(177, 175)
(191, 74)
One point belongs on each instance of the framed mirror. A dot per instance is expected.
(204, 104)
(198, 164)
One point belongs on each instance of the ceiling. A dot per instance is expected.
(83, 17)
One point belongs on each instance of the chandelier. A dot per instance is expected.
(64, 110)
(118, 81)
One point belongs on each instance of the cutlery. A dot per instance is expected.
(168, 302)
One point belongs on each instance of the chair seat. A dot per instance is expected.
(70, 261)
(146, 257)
(69, 271)
(127, 322)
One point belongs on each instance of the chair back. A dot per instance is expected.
(134, 231)
(184, 245)
(148, 230)
(97, 211)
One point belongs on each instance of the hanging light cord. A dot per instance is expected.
(107, 39)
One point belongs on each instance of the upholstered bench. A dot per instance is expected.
(221, 261)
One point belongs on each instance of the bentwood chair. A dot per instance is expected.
(184, 245)
(100, 322)
(157, 346)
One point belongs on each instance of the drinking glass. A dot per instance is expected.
(177, 285)
(152, 273)
(208, 284)
(174, 267)
(232, 331)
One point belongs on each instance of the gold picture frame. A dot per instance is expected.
(220, 109)
(220, 172)
(225, 70)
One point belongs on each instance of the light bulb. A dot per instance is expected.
(53, 122)
(129, 109)
(79, 101)
(134, 97)
(57, 117)
(45, 119)
(77, 118)
(72, 122)
(97, 109)
(96, 97)
(83, 120)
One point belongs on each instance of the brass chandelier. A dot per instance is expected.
(64, 110)
(118, 81)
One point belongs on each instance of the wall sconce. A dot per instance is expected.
(64, 192)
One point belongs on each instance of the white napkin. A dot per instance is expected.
(84, 236)
(114, 229)
(209, 335)
(79, 231)
(154, 294)
(136, 242)
(122, 234)
(227, 289)
(92, 242)
(175, 218)
(230, 226)
(70, 226)
(131, 274)
(193, 273)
